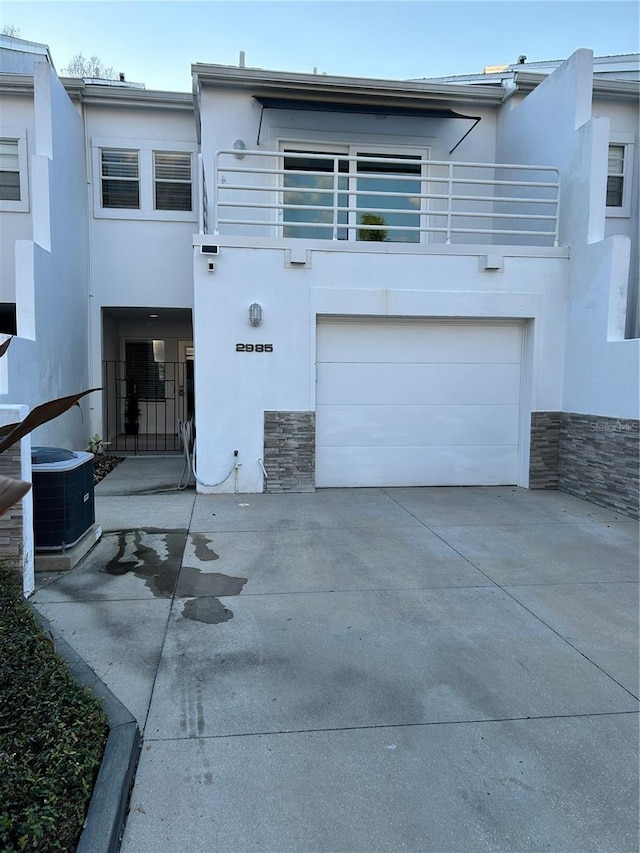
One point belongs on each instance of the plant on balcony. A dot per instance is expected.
(379, 234)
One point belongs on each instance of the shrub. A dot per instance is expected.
(52, 734)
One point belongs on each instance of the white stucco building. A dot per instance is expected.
(346, 282)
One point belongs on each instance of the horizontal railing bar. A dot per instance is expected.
(439, 179)
(426, 229)
(255, 205)
(301, 155)
(383, 194)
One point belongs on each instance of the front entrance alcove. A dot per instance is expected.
(147, 376)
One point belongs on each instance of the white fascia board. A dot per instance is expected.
(96, 94)
(16, 84)
(615, 89)
(24, 46)
(319, 85)
(526, 81)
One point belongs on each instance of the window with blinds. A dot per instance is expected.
(615, 176)
(172, 179)
(9, 170)
(120, 178)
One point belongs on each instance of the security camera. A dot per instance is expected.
(211, 265)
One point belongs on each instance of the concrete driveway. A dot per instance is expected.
(351, 671)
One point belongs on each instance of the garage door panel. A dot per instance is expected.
(406, 384)
(417, 403)
(389, 426)
(417, 343)
(416, 466)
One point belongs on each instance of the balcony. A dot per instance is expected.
(391, 199)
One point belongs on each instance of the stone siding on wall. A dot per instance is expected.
(543, 459)
(11, 536)
(289, 451)
(591, 457)
(598, 460)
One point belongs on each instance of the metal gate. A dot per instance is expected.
(143, 403)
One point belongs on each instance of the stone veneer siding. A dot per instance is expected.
(591, 457)
(290, 451)
(11, 534)
(543, 459)
(598, 460)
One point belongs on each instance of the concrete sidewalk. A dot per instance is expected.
(364, 670)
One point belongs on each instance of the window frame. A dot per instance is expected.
(627, 142)
(146, 177)
(180, 182)
(19, 135)
(124, 178)
(362, 148)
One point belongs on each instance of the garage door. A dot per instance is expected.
(417, 403)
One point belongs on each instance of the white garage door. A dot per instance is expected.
(417, 403)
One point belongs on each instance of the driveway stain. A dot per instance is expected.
(195, 584)
(202, 549)
(154, 556)
(211, 611)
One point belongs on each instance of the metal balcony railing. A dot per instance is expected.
(390, 199)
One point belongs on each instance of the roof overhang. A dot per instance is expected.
(112, 94)
(617, 90)
(334, 89)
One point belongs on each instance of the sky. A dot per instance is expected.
(155, 41)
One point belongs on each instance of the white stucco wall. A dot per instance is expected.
(601, 370)
(234, 389)
(136, 262)
(16, 114)
(49, 359)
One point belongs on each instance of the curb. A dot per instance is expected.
(108, 806)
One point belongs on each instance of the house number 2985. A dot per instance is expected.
(254, 347)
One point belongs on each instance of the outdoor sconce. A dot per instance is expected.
(239, 148)
(255, 314)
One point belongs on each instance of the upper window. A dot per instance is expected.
(615, 176)
(313, 184)
(172, 174)
(143, 179)
(365, 196)
(14, 191)
(120, 178)
(9, 170)
(619, 182)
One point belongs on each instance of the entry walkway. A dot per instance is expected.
(436, 670)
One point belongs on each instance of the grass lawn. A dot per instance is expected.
(52, 734)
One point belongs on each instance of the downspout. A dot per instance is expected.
(88, 162)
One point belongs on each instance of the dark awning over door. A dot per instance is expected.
(414, 109)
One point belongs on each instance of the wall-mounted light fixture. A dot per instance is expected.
(255, 314)
(240, 147)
